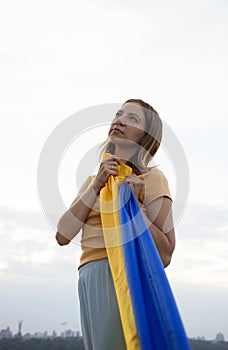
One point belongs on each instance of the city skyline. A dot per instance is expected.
(7, 333)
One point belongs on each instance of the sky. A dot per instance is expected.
(58, 58)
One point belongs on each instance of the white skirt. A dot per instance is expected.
(100, 318)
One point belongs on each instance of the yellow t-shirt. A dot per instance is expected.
(92, 241)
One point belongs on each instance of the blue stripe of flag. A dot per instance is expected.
(157, 318)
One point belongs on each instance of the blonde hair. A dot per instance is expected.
(149, 143)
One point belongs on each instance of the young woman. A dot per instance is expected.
(134, 138)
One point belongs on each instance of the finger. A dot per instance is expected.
(110, 162)
(114, 158)
(113, 167)
(114, 163)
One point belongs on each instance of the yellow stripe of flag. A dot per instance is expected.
(113, 242)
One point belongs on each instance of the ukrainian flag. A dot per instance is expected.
(148, 311)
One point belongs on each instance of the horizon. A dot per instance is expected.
(77, 333)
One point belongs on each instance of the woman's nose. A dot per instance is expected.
(120, 120)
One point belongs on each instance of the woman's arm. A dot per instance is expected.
(74, 218)
(160, 223)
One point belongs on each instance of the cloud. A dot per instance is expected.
(203, 308)
(201, 249)
(28, 247)
(37, 276)
(42, 304)
(204, 220)
(23, 218)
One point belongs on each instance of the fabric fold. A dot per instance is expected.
(148, 311)
(158, 322)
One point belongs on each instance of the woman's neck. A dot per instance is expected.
(125, 153)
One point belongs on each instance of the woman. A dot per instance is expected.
(134, 138)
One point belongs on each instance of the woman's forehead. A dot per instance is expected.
(132, 107)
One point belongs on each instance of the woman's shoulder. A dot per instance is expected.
(156, 185)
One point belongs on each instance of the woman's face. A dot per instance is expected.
(129, 123)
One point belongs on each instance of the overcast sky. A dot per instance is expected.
(59, 57)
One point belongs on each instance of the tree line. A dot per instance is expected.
(42, 344)
(77, 344)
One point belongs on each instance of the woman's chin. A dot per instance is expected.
(121, 140)
(114, 139)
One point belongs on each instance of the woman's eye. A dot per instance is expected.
(117, 115)
(133, 118)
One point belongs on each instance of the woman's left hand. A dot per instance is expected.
(137, 185)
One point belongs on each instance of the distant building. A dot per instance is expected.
(6, 333)
(219, 338)
(19, 334)
(39, 335)
(68, 333)
(78, 334)
(54, 334)
(201, 338)
(45, 335)
(27, 336)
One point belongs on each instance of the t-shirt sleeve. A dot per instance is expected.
(86, 183)
(84, 186)
(156, 185)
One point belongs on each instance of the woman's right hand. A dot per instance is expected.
(107, 167)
